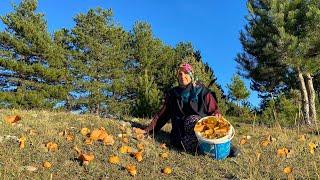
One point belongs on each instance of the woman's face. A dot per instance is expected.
(184, 78)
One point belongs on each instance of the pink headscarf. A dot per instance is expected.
(185, 67)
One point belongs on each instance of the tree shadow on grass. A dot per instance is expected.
(315, 132)
(311, 130)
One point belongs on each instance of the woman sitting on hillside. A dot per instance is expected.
(185, 105)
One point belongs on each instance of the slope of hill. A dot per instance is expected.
(262, 154)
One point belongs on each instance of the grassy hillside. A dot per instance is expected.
(40, 127)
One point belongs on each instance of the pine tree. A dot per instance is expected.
(282, 38)
(39, 67)
(148, 100)
(101, 50)
(259, 60)
(63, 39)
(237, 90)
(165, 76)
(146, 53)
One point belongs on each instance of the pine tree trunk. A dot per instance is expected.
(311, 98)
(274, 111)
(68, 105)
(304, 95)
(238, 104)
(98, 109)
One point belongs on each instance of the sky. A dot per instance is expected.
(212, 26)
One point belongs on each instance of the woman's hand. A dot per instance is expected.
(218, 115)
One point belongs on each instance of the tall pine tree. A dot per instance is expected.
(101, 49)
(27, 49)
(146, 51)
(281, 39)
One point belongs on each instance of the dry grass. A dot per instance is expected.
(13, 160)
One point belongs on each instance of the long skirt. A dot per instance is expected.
(189, 141)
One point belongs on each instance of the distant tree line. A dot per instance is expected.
(95, 65)
(99, 67)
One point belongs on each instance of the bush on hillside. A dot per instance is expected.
(283, 110)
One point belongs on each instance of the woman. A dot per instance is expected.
(184, 105)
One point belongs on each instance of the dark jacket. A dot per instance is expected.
(201, 102)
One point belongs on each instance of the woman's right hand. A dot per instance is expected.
(218, 115)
